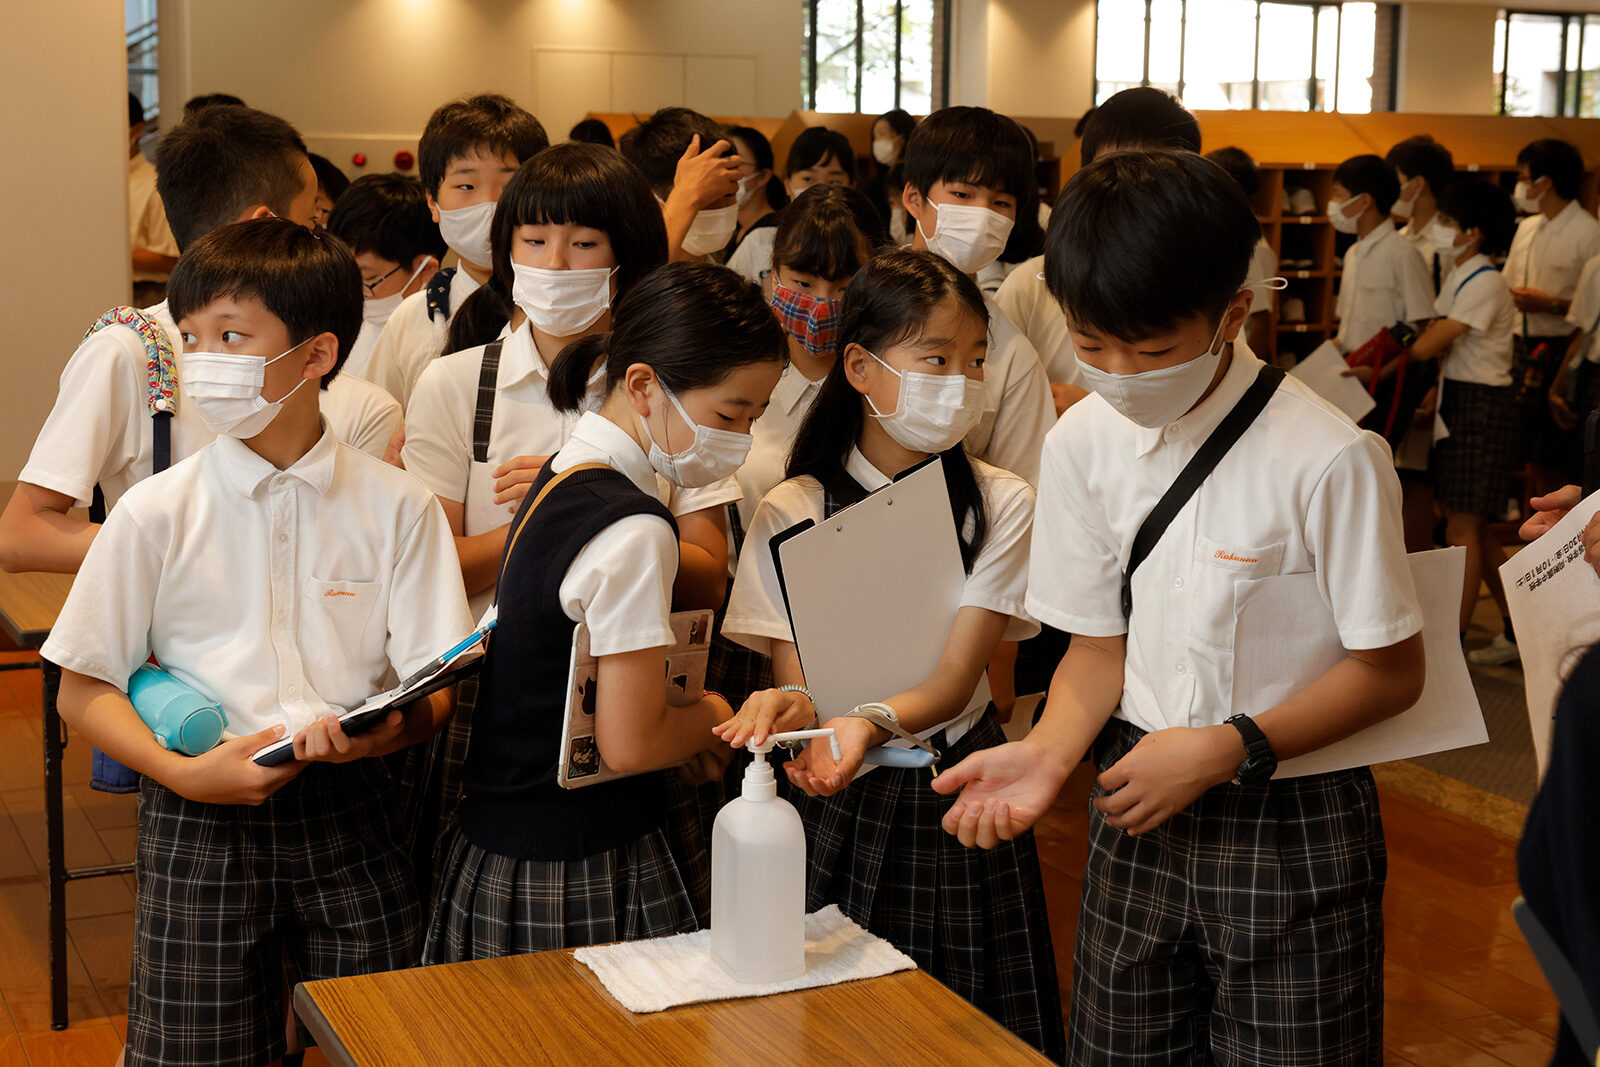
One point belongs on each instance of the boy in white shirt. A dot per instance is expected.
(284, 575)
(154, 250)
(967, 169)
(1547, 256)
(1226, 916)
(1424, 168)
(1385, 280)
(468, 151)
(694, 172)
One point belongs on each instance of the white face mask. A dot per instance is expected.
(934, 412)
(375, 310)
(226, 390)
(466, 230)
(1155, 398)
(969, 236)
(562, 303)
(1523, 197)
(1342, 222)
(1405, 206)
(1443, 239)
(883, 151)
(711, 457)
(711, 230)
(748, 188)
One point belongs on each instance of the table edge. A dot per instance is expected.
(310, 1013)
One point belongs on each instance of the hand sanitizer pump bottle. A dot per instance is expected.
(758, 875)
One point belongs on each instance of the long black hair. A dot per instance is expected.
(888, 303)
(574, 183)
(822, 230)
(692, 323)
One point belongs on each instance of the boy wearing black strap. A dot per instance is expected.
(1227, 917)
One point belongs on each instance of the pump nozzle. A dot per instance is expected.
(797, 735)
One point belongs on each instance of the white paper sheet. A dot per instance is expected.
(1321, 370)
(1554, 598)
(1285, 638)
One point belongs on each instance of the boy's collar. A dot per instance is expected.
(246, 471)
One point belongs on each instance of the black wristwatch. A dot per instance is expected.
(1259, 761)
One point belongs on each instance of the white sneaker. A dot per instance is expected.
(1497, 653)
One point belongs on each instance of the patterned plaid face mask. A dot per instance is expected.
(811, 320)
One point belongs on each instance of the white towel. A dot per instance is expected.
(664, 972)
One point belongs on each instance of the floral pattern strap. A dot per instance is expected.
(161, 377)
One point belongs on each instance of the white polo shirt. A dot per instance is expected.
(1584, 314)
(278, 593)
(1302, 490)
(438, 445)
(410, 340)
(361, 351)
(147, 218)
(1385, 282)
(1549, 255)
(1026, 301)
(1418, 237)
(757, 615)
(753, 258)
(1017, 406)
(1479, 299)
(773, 436)
(620, 583)
(100, 430)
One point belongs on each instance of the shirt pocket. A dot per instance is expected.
(1218, 565)
(333, 620)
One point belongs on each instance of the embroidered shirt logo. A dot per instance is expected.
(346, 592)
(1231, 558)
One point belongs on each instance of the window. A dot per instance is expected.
(869, 56)
(1318, 55)
(140, 30)
(1547, 63)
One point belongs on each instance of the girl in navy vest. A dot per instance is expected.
(908, 385)
(690, 362)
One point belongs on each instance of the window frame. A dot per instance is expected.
(1563, 75)
(942, 15)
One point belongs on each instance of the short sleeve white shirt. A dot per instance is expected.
(1302, 490)
(620, 583)
(1549, 255)
(757, 615)
(1584, 314)
(360, 414)
(773, 436)
(1017, 407)
(1385, 281)
(147, 217)
(1419, 239)
(1477, 296)
(411, 340)
(361, 350)
(278, 593)
(753, 258)
(1027, 302)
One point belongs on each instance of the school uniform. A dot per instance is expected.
(1252, 921)
(338, 570)
(1584, 314)
(147, 226)
(413, 337)
(1385, 282)
(1417, 236)
(973, 919)
(1026, 301)
(531, 866)
(753, 258)
(449, 415)
(1548, 255)
(361, 352)
(361, 415)
(1017, 407)
(1475, 464)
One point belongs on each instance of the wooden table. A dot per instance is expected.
(547, 1008)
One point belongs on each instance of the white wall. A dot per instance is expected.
(1041, 57)
(1447, 59)
(364, 74)
(64, 227)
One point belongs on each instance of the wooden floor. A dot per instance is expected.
(1461, 987)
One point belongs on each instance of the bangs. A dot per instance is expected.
(830, 248)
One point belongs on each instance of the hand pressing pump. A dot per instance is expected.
(758, 875)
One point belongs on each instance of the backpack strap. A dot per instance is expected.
(161, 387)
(1196, 471)
(438, 291)
(483, 415)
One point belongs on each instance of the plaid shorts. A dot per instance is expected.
(491, 905)
(428, 787)
(973, 918)
(1246, 930)
(1473, 468)
(226, 892)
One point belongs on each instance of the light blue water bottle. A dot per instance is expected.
(182, 718)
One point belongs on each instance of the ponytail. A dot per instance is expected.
(480, 318)
(569, 375)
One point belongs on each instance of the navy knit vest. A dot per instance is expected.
(512, 804)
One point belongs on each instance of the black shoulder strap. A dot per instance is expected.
(438, 291)
(1195, 472)
(483, 417)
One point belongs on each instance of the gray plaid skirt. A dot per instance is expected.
(491, 905)
(973, 919)
(1473, 468)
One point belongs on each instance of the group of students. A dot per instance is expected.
(603, 425)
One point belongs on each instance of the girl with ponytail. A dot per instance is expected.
(908, 385)
(690, 362)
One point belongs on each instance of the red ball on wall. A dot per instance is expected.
(359, 159)
(404, 160)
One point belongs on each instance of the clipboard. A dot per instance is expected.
(460, 660)
(1285, 638)
(685, 681)
(882, 577)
